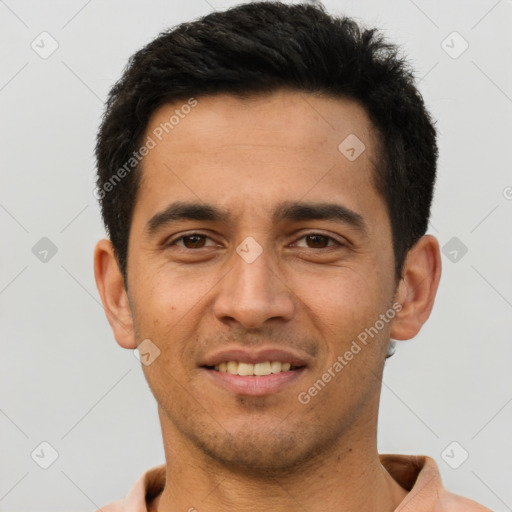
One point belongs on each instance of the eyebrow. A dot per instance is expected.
(286, 211)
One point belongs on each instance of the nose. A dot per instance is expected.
(252, 293)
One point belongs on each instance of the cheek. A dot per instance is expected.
(168, 310)
(343, 302)
(165, 295)
(344, 312)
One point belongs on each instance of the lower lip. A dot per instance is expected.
(255, 385)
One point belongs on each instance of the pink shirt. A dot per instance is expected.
(416, 473)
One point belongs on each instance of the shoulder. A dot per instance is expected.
(455, 503)
(419, 474)
(142, 492)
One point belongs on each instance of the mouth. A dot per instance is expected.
(255, 373)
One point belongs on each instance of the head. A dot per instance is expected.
(265, 116)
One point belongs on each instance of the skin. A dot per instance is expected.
(225, 451)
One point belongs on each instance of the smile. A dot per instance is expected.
(255, 372)
(257, 369)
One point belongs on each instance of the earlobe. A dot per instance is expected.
(417, 289)
(110, 284)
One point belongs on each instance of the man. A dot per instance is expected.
(265, 176)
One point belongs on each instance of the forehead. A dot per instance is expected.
(240, 152)
(288, 118)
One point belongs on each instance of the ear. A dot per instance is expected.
(109, 281)
(417, 288)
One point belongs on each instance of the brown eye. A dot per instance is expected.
(191, 241)
(318, 241)
(196, 241)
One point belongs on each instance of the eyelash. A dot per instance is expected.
(313, 233)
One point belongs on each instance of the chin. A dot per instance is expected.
(258, 452)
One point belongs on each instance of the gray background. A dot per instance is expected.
(65, 381)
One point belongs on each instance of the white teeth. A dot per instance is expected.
(232, 368)
(245, 369)
(264, 368)
(276, 366)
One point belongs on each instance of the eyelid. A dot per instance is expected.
(337, 242)
(174, 239)
(325, 235)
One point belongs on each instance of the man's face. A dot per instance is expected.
(263, 283)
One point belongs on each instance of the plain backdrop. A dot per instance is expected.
(64, 380)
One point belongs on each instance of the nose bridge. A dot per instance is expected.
(252, 291)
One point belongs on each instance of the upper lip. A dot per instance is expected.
(244, 355)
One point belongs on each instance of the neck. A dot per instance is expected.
(348, 478)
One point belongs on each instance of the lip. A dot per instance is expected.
(251, 384)
(243, 355)
(254, 385)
